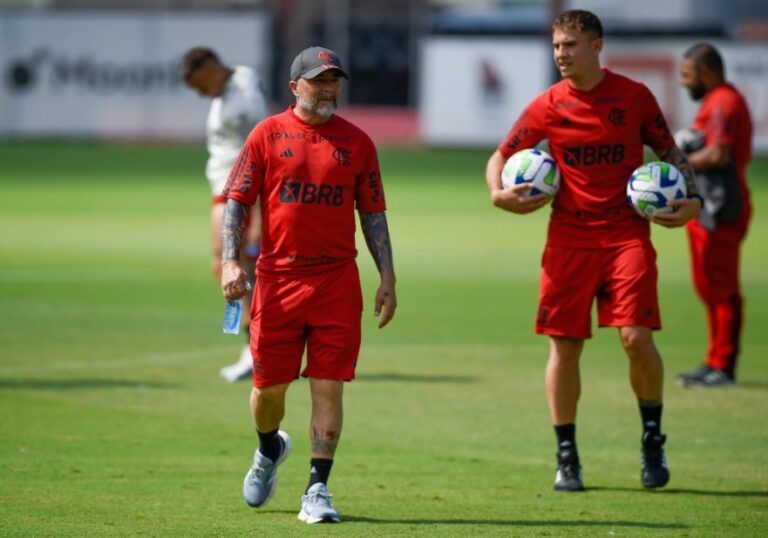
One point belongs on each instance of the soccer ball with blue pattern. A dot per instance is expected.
(652, 186)
(535, 167)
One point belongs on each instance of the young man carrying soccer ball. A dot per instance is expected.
(596, 122)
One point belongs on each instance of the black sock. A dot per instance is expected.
(270, 444)
(566, 437)
(319, 469)
(651, 416)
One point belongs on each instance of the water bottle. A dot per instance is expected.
(233, 314)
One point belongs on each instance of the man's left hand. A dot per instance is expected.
(385, 302)
(683, 210)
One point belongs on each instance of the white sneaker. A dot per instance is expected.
(260, 481)
(241, 369)
(316, 506)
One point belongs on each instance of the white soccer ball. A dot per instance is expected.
(689, 140)
(652, 185)
(535, 167)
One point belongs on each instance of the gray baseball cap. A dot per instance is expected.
(312, 61)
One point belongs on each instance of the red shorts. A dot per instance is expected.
(622, 278)
(321, 312)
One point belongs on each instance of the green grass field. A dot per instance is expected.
(115, 422)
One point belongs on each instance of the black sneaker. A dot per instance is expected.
(568, 477)
(717, 378)
(695, 377)
(706, 376)
(654, 472)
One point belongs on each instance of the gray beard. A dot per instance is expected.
(325, 111)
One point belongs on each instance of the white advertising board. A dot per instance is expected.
(114, 75)
(472, 90)
(657, 65)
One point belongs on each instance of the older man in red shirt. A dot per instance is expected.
(720, 160)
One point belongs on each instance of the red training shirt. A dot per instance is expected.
(596, 138)
(724, 119)
(310, 178)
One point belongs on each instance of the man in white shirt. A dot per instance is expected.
(237, 105)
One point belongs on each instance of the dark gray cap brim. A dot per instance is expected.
(312, 73)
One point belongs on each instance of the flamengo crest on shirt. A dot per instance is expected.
(618, 116)
(343, 156)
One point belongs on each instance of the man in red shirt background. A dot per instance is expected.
(715, 240)
(596, 122)
(310, 169)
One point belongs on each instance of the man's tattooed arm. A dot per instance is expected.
(233, 230)
(677, 158)
(376, 233)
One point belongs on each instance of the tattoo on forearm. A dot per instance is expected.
(677, 158)
(324, 441)
(233, 230)
(376, 235)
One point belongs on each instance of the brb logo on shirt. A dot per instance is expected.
(293, 192)
(594, 154)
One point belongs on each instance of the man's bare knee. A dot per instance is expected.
(269, 395)
(565, 349)
(635, 339)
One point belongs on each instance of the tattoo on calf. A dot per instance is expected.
(324, 441)
(232, 230)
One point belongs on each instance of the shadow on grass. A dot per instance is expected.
(415, 378)
(686, 491)
(80, 383)
(518, 522)
(753, 385)
(747, 385)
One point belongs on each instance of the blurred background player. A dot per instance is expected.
(311, 169)
(719, 150)
(596, 122)
(237, 105)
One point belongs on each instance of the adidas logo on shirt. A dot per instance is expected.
(287, 153)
